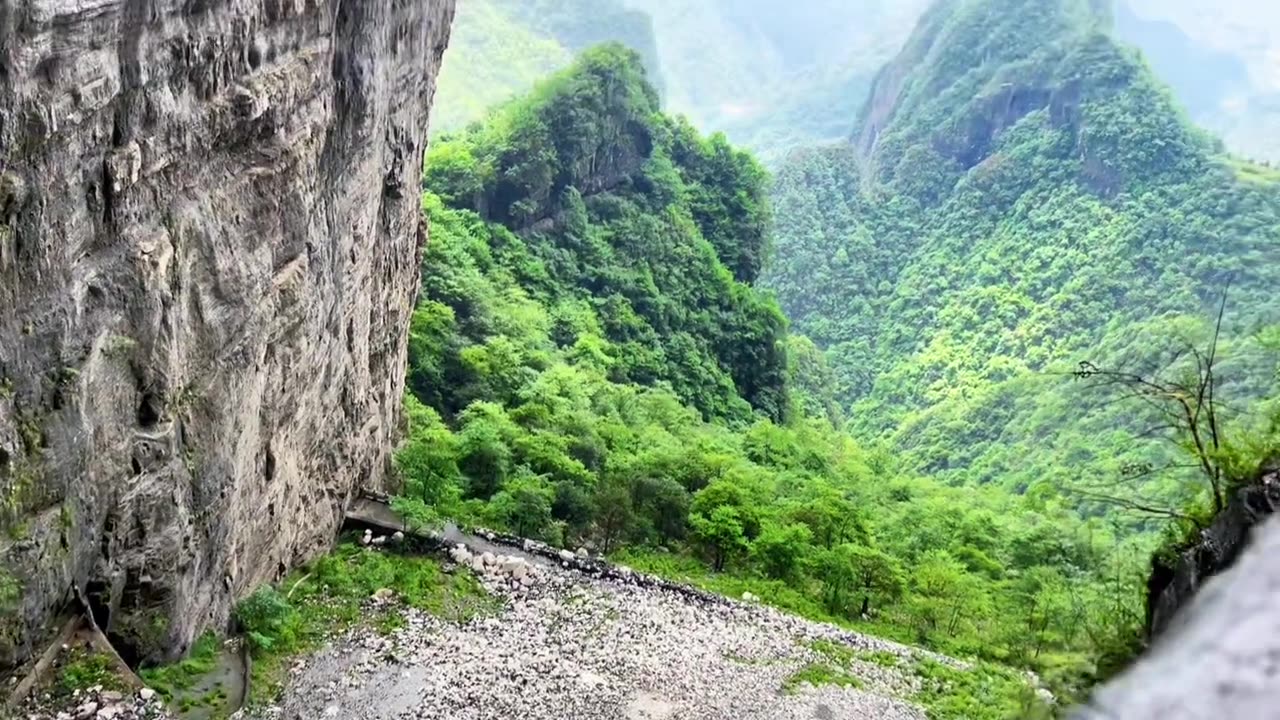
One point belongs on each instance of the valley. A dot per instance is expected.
(719, 360)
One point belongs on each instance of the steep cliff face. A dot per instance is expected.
(1175, 581)
(1217, 658)
(209, 241)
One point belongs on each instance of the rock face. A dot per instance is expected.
(1172, 586)
(209, 242)
(1218, 658)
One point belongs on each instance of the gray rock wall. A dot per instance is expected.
(1219, 657)
(1173, 585)
(209, 246)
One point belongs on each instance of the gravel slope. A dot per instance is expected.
(572, 647)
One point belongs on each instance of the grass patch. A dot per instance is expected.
(81, 670)
(10, 590)
(169, 680)
(836, 653)
(883, 658)
(215, 699)
(331, 595)
(389, 622)
(983, 692)
(818, 675)
(1251, 172)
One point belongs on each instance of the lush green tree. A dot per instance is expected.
(483, 453)
(615, 516)
(781, 550)
(879, 576)
(524, 505)
(427, 460)
(721, 534)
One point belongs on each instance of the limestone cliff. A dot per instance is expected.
(209, 242)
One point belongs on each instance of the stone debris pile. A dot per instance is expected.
(595, 644)
(97, 703)
(517, 571)
(368, 538)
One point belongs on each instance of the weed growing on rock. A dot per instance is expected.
(982, 692)
(817, 675)
(883, 658)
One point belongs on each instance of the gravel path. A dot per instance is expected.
(572, 647)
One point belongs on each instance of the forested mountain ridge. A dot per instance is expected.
(502, 48)
(631, 212)
(586, 368)
(1021, 195)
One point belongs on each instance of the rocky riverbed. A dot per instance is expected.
(570, 646)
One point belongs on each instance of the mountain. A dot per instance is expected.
(1021, 195)
(1221, 58)
(592, 362)
(770, 76)
(636, 221)
(501, 48)
(773, 76)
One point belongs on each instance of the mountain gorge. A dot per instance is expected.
(721, 358)
(591, 361)
(1021, 195)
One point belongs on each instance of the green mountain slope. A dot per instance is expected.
(500, 49)
(1021, 195)
(591, 363)
(626, 216)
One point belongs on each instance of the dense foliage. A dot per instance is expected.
(620, 213)
(585, 368)
(1023, 196)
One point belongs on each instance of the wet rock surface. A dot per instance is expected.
(572, 645)
(209, 249)
(1172, 586)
